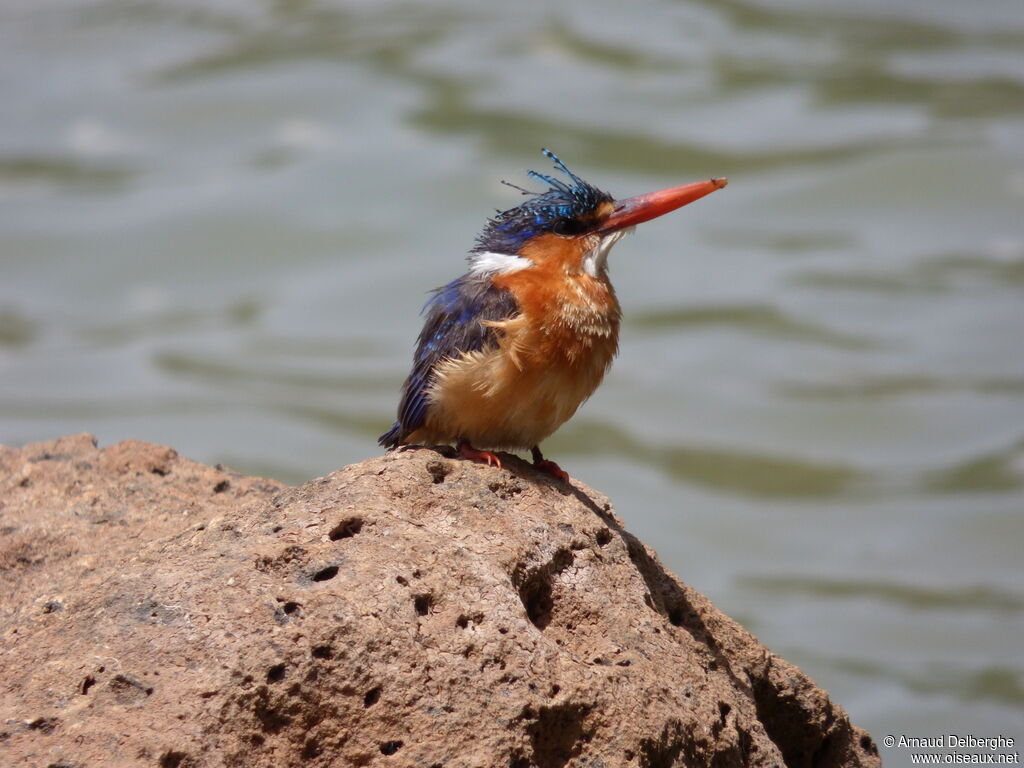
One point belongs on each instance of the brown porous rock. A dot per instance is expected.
(409, 610)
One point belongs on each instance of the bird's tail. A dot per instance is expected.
(392, 437)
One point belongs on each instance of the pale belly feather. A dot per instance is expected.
(547, 361)
(508, 397)
(485, 399)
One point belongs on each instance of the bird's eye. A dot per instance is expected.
(568, 227)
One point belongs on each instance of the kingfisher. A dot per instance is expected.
(513, 347)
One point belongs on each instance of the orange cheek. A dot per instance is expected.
(555, 254)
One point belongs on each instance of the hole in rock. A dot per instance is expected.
(390, 747)
(276, 673)
(423, 603)
(326, 574)
(372, 697)
(172, 759)
(311, 749)
(558, 733)
(536, 587)
(323, 652)
(464, 620)
(346, 528)
(438, 470)
(44, 724)
(537, 599)
(661, 753)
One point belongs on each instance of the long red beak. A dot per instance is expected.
(636, 210)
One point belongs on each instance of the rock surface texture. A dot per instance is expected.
(410, 610)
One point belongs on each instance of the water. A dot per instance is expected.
(218, 221)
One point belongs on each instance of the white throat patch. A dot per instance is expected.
(595, 261)
(489, 263)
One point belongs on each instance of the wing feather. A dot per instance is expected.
(460, 318)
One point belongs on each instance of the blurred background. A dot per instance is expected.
(219, 220)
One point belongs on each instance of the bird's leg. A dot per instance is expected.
(467, 451)
(546, 465)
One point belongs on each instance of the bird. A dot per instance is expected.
(512, 348)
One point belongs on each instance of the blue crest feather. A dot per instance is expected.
(561, 202)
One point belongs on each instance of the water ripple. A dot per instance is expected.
(997, 684)
(909, 385)
(52, 171)
(999, 471)
(721, 469)
(262, 376)
(907, 596)
(935, 274)
(16, 328)
(754, 319)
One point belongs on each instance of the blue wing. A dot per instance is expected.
(455, 324)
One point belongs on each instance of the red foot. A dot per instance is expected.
(546, 465)
(467, 451)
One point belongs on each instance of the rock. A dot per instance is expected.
(410, 610)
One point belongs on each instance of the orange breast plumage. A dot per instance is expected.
(545, 362)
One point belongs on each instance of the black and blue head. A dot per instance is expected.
(568, 207)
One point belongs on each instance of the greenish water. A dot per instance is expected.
(218, 221)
